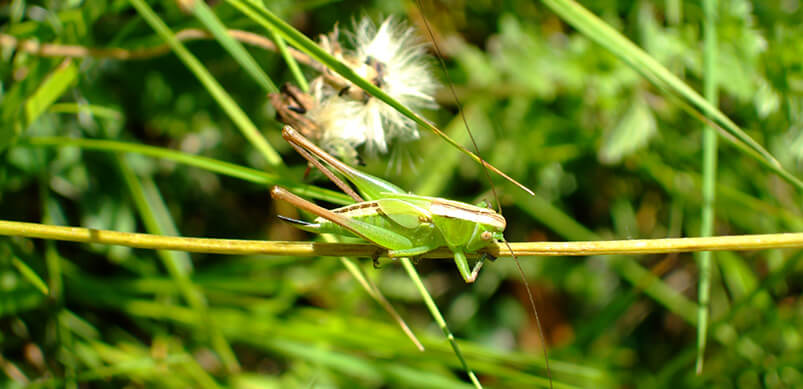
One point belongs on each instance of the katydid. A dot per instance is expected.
(407, 225)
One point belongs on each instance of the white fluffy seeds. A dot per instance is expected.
(392, 57)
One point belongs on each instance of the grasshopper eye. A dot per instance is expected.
(487, 235)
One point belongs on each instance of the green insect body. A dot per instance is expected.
(407, 225)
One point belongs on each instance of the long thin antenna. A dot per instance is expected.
(535, 312)
(457, 101)
(493, 187)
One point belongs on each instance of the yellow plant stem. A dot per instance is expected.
(316, 249)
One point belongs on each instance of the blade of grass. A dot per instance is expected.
(263, 16)
(96, 110)
(436, 314)
(212, 165)
(597, 30)
(234, 47)
(704, 258)
(220, 95)
(281, 45)
(685, 358)
(30, 275)
(51, 89)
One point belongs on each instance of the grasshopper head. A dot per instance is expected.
(486, 233)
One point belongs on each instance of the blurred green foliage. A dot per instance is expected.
(608, 155)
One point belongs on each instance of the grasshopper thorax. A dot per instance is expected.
(464, 226)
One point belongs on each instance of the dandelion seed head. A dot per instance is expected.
(393, 57)
(342, 123)
(405, 75)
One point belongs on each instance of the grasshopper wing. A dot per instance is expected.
(404, 213)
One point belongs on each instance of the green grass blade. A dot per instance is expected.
(705, 258)
(212, 165)
(96, 110)
(291, 62)
(30, 275)
(51, 89)
(436, 314)
(375, 293)
(220, 95)
(600, 32)
(234, 47)
(263, 16)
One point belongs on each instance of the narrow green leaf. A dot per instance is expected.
(50, 90)
(212, 165)
(263, 16)
(291, 62)
(157, 220)
(705, 258)
(234, 47)
(30, 275)
(95, 110)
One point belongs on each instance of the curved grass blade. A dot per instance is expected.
(263, 16)
(212, 165)
(29, 275)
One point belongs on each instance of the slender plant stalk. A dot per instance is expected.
(725, 321)
(29, 274)
(316, 249)
(375, 293)
(705, 258)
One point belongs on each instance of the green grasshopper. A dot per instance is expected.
(407, 225)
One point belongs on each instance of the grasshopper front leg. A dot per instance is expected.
(462, 265)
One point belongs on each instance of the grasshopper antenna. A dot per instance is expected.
(457, 101)
(535, 312)
(493, 187)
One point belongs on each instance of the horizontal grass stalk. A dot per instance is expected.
(316, 249)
